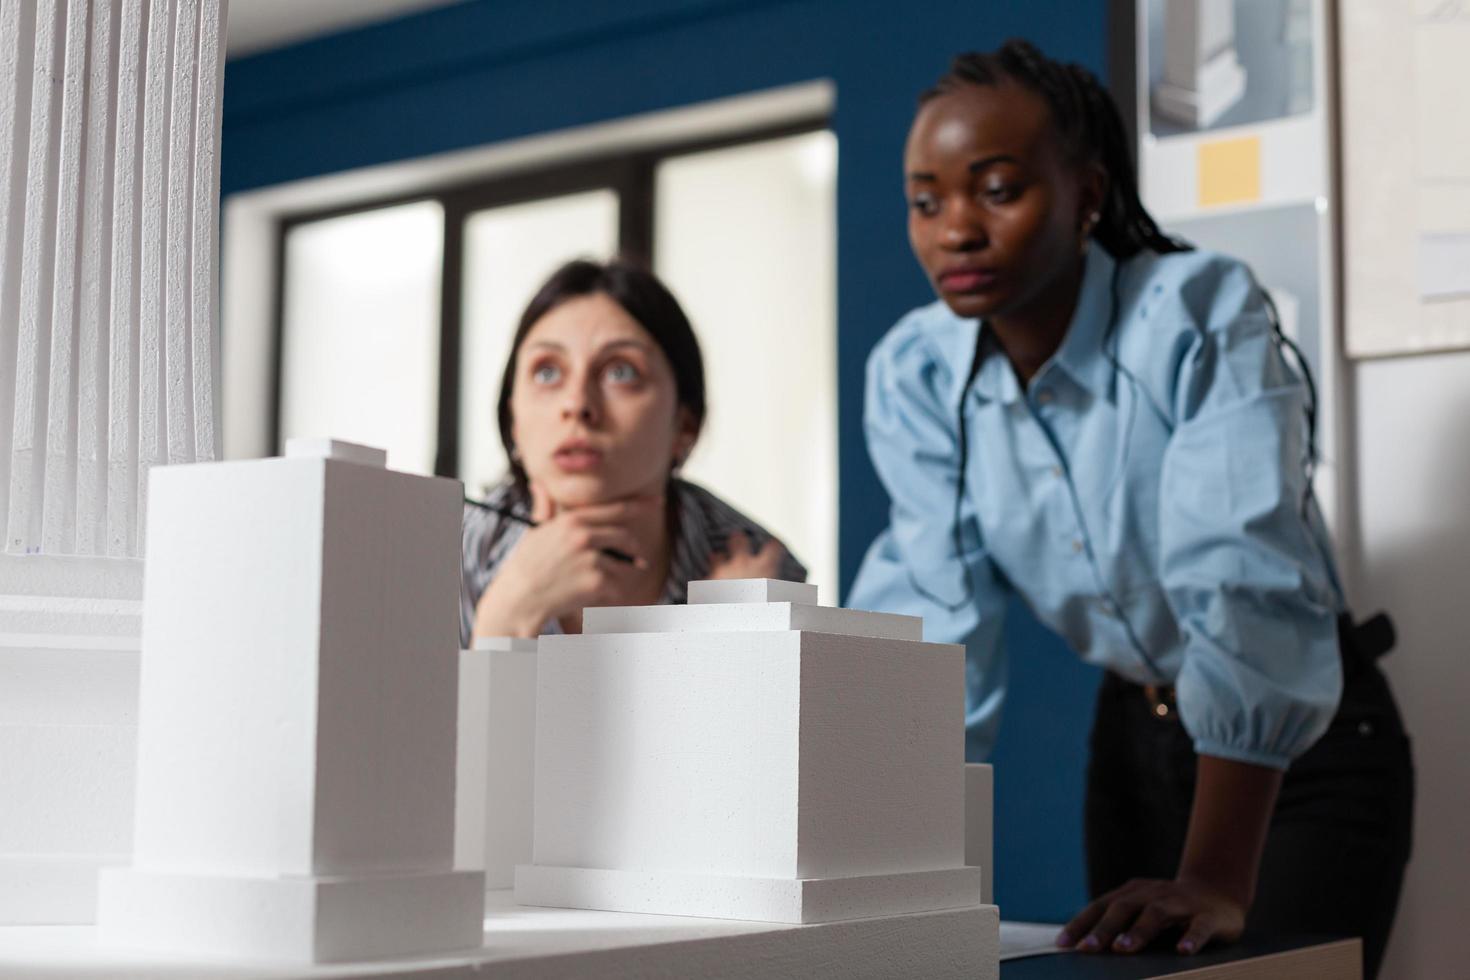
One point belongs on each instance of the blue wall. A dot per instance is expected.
(482, 72)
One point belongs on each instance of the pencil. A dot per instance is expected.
(509, 514)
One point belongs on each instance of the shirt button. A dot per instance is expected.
(1056, 471)
(1045, 396)
(1077, 545)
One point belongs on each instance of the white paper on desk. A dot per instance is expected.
(1021, 939)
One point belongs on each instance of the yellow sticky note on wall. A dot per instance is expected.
(1229, 171)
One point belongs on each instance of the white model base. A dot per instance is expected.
(795, 900)
(47, 890)
(1220, 84)
(578, 944)
(301, 920)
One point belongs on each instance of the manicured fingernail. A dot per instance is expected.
(1089, 944)
(1125, 942)
(1188, 946)
(1064, 938)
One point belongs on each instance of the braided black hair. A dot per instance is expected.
(1089, 127)
(1090, 130)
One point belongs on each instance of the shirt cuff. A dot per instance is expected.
(1205, 746)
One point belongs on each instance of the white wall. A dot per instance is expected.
(1413, 465)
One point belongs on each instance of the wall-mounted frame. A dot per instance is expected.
(1405, 176)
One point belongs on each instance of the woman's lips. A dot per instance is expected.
(577, 460)
(967, 280)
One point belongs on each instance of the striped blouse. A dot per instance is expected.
(704, 524)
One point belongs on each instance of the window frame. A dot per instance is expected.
(631, 175)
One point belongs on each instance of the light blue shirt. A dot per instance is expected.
(1146, 495)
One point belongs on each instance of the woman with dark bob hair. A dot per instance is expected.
(601, 403)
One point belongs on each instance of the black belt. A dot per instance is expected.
(1359, 643)
(1368, 640)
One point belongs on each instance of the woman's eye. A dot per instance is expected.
(925, 204)
(621, 372)
(1000, 193)
(546, 374)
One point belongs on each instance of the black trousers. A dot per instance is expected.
(1340, 837)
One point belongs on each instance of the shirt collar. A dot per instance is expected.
(1081, 355)
(995, 380)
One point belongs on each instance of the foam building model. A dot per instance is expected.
(109, 191)
(297, 720)
(1202, 77)
(493, 784)
(751, 755)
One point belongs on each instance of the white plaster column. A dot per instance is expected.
(109, 179)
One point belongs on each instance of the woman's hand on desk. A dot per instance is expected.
(1216, 883)
(559, 566)
(1128, 919)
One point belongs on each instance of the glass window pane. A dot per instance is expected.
(746, 238)
(508, 252)
(360, 335)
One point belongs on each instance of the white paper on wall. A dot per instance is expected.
(1406, 176)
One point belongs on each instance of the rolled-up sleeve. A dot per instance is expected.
(912, 567)
(1241, 564)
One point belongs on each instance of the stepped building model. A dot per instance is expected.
(751, 755)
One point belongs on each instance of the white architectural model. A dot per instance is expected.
(1202, 77)
(109, 186)
(750, 756)
(297, 723)
(497, 729)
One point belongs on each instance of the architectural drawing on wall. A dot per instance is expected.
(1202, 76)
(1406, 176)
(1261, 190)
(1216, 64)
(109, 185)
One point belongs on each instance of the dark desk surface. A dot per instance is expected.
(1304, 958)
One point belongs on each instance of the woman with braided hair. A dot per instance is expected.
(1102, 422)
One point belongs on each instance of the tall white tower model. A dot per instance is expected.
(751, 755)
(109, 188)
(1202, 77)
(297, 732)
